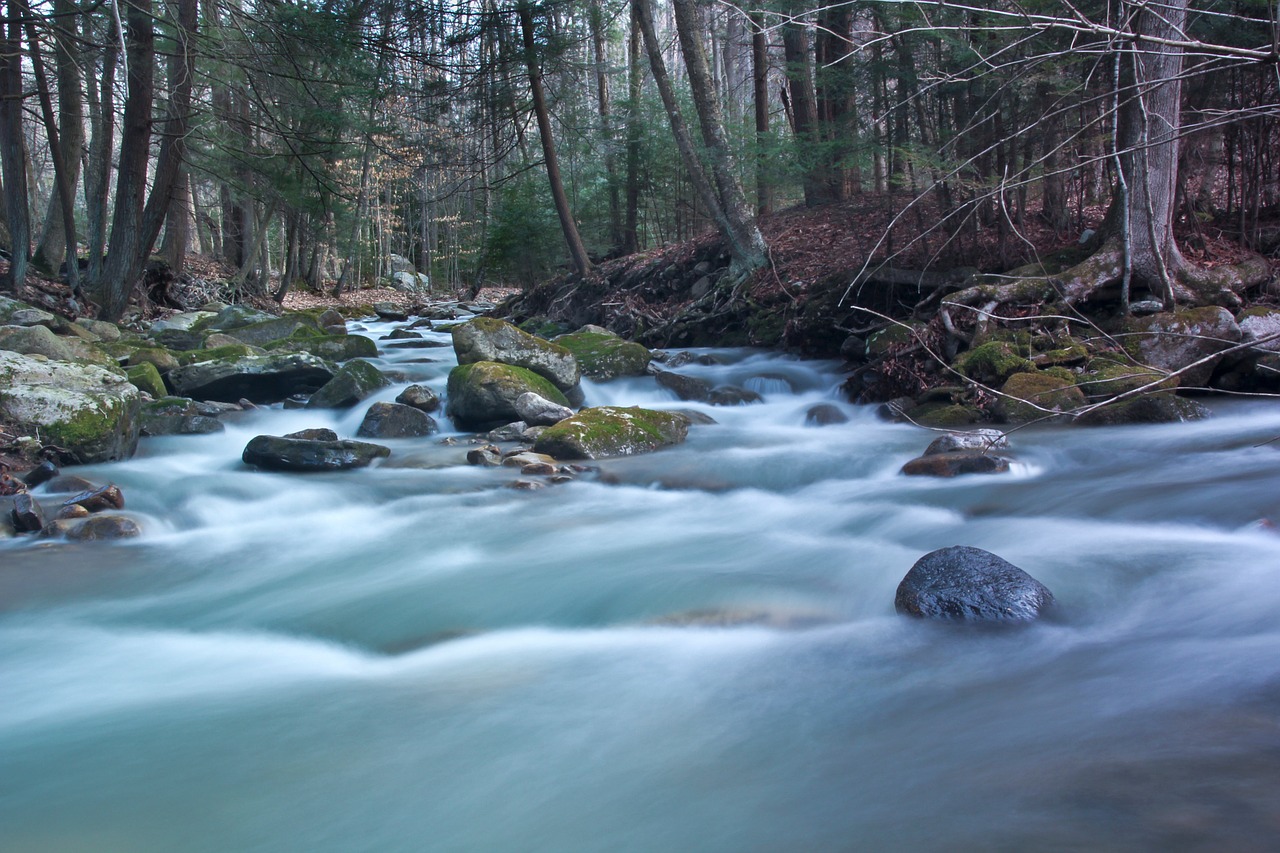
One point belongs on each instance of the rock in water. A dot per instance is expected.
(354, 381)
(536, 410)
(611, 431)
(420, 397)
(294, 454)
(28, 517)
(395, 420)
(482, 395)
(954, 463)
(972, 585)
(486, 339)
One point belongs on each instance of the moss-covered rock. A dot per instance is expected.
(1106, 378)
(488, 339)
(146, 378)
(88, 413)
(223, 353)
(1179, 340)
(163, 360)
(611, 431)
(35, 340)
(879, 343)
(1260, 325)
(354, 381)
(1026, 396)
(330, 347)
(1158, 408)
(266, 332)
(992, 363)
(944, 415)
(603, 355)
(483, 394)
(260, 378)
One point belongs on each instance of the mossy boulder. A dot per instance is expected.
(488, 339)
(35, 340)
(1179, 340)
(146, 378)
(1156, 408)
(330, 347)
(1260, 325)
(602, 355)
(260, 378)
(265, 332)
(234, 317)
(222, 353)
(992, 363)
(612, 431)
(879, 343)
(354, 381)
(163, 360)
(176, 416)
(1106, 378)
(1027, 396)
(944, 415)
(483, 394)
(88, 413)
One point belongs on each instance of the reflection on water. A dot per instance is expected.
(691, 650)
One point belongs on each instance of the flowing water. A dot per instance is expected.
(412, 657)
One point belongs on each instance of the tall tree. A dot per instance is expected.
(13, 146)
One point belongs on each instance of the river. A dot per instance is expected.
(694, 650)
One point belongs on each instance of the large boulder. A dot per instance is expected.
(487, 339)
(1179, 340)
(265, 332)
(276, 453)
(88, 413)
(1032, 396)
(236, 317)
(395, 420)
(259, 378)
(146, 378)
(970, 584)
(1157, 408)
(536, 410)
(330, 347)
(482, 395)
(35, 340)
(354, 381)
(177, 416)
(15, 313)
(612, 431)
(602, 355)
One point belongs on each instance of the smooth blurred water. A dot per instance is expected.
(413, 657)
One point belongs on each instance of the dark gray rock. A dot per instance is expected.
(42, 473)
(354, 381)
(314, 434)
(97, 500)
(396, 420)
(824, 414)
(955, 463)
(970, 584)
(421, 398)
(685, 387)
(99, 528)
(260, 378)
(978, 439)
(536, 410)
(732, 395)
(177, 416)
(276, 453)
(28, 517)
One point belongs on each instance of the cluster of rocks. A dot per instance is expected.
(1016, 375)
(44, 502)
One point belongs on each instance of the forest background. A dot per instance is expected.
(304, 143)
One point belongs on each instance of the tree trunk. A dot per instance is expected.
(747, 247)
(53, 244)
(804, 115)
(760, 93)
(630, 233)
(13, 147)
(572, 238)
(98, 163)
(596, 18)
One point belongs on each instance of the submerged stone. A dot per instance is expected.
(970, 584)
(276, 453)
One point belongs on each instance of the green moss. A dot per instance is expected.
(604, 355)
(940, 414)
(992, 363)
(88, 426)
(542, 328)
(331, 347)
(1026, 395)
(228, 352)
(879, 343)
(610, 431)
(1107, 378)
(146, 378)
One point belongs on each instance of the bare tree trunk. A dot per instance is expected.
(13, 147)
(760, 91)
(572, 238)
(804, 113)
(53, 244)
(630, 234)
(596, 17)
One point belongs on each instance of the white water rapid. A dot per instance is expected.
(411, 657)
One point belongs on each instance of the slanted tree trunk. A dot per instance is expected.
(747, 247)
(572, 239)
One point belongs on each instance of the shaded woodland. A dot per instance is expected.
(303, 143)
